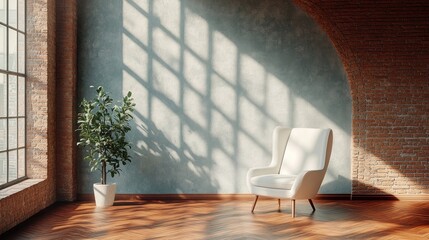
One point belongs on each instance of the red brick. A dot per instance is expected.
(384, 46)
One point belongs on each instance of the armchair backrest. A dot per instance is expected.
(306, 149)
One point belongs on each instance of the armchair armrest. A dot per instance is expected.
(307, 184)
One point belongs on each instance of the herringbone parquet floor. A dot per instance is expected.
(221, 219)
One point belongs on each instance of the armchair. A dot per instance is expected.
(299, 161)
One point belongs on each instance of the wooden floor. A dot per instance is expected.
(221, 219)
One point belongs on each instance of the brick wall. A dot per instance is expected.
(66, 100)
(40, 119)
(384, 46)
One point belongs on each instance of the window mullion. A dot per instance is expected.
(7, 93)
(17, 117)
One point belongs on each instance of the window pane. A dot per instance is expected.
(12, 13)
(3, 11)
(3, 168)
(21, 163)
(21, 96)
(21, 132)
(13, 61)
(13, 165)
(12, 90)
(21, 15)
(3, 95)
(13, 97)
(3, 47)
(13, 134)
(21, 53)
(3, 134)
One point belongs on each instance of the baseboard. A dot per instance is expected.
(421, 197)
(178, 197)
(250, 197)
(171, 197)
(333, 197)
(373, 197)
(175, 197)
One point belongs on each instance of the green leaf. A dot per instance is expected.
(102, 128)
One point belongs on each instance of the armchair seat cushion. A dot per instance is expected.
(278, 181)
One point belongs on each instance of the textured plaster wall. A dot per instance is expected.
(211, 80)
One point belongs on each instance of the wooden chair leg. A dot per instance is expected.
(312, 205)
(254, 204)
(279, 205)
(292, 201)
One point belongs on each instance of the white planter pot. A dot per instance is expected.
(104, 194)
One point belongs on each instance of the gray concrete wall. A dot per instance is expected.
(211, 80)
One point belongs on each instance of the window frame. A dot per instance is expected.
(21, 78)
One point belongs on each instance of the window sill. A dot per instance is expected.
(9, 191)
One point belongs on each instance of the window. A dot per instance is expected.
(12, 92)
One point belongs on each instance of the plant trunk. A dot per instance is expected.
(103, 172)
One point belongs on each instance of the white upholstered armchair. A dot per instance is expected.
(299, 162)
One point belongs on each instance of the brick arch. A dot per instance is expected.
(384, 46)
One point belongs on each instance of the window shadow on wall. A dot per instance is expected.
(211, 80)
(212, 85)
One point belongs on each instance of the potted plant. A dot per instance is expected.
(102, 127)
